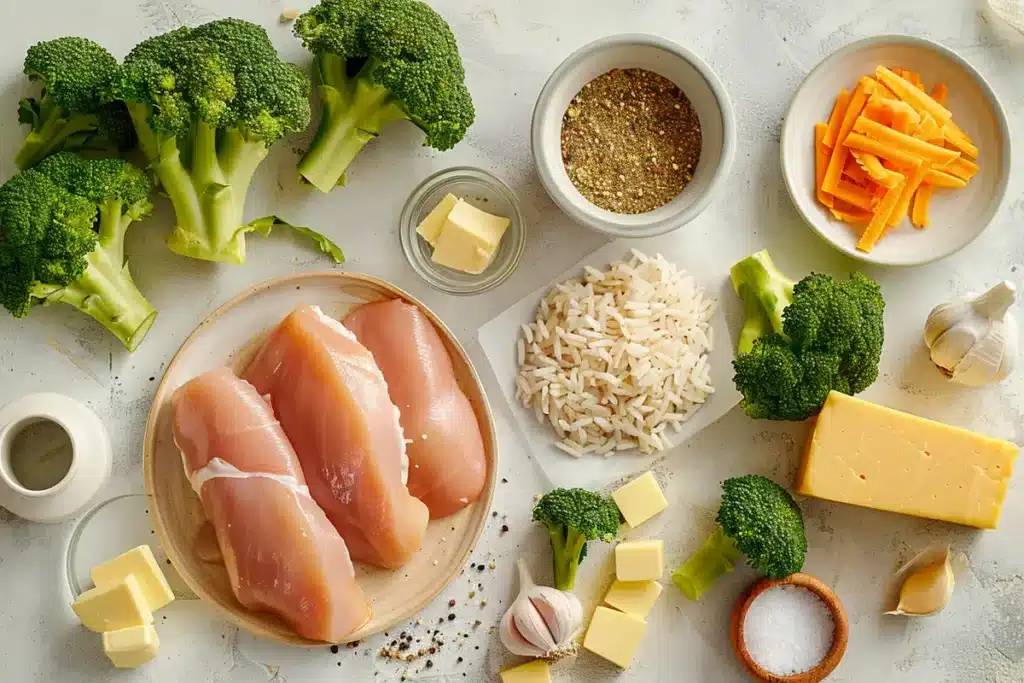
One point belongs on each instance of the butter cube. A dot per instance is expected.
(614, 635)
(469, 239)
(536, 671)
(132, 647)
(640, 499)
(639, 560)
(430, 227)
(113, 606)
(140, 562)
(636, 598)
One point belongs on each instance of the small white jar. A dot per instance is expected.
(55, 456)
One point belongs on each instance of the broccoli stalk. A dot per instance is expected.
(378, 61)
(71, 114)
(574, 517)
(801, 341)
(757, 518)
(62, 228)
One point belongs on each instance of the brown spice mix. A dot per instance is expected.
(630, 141)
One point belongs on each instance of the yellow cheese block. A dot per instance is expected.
(132, 647)
(640, 499)
(634, 597)
(469, 239)
(113, 607)
(140, 562)
(430, 227)
(865, 454)
(614, 635)
(536, 671)
(639, 560)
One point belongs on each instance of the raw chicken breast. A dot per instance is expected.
(333, 403)
(447, 465)
(281, 552)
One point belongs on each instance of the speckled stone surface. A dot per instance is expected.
(761, 50)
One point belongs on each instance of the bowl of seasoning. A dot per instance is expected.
(791, 630)
(632, 134)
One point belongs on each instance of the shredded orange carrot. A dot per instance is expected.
(876, 110)
(959, 139)
(919, 214)
(904, 142)
(902, 122)
(821, 156)
(874, 168)
(962, 168)
(940, 178)
(909, 188)
(855, 216)
(881, 218)
(835, 119)
(838, 159)
(914, 78)
(912, 95)
(856, 196)
(864, 143)
(939, 93)
(858, 175)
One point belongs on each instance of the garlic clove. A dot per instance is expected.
(513, 640)
(981, 364)
(928, 581)
(542, 621)
(951, 346)
(943, 318)
(995, 303)
(561, 611)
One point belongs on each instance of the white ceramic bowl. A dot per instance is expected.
(690, 74)
(956, 216)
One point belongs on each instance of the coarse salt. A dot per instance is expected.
(788, 630)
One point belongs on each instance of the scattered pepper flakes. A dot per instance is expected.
(504, 528)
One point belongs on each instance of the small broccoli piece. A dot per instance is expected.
(573, 517)
(207, 104)
(757, 518)
(377, 61)
(62, 227)
(71, 113)
(800, 341)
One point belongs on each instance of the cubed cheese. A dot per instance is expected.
(430, 227)
(614, 635)
(639, 560)
(113, 606)
(865, 454)
(640, 499)
(634, 597)
(132, 647)
(140, 562)
(469, 239)
(536, 671)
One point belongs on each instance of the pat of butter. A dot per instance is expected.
(614, 635)
(114, 606)
(639, 560)
(469, 239)
(131, 647)
(430, 227)
(536, 671)
(140, 562)
(864, 454)
(640, 499)
(634, 597)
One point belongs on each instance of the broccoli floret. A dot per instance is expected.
(800, 342)
(377, 61)
(62, 227)
(71, 113)
(207, 104)
(757, 518)
(573, 517)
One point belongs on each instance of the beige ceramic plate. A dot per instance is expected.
(230, 337)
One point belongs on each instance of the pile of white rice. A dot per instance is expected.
(617, 357)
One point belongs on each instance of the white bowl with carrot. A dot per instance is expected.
(896, 151)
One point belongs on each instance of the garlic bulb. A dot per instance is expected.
(973, 339)
(542, 622)
(928, 581)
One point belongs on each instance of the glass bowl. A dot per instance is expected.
(487, 193)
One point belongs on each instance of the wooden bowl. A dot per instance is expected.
(231, 336)
(835, 653)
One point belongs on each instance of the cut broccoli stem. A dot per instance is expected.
(113, 223)
(354, 111)
(765, 291)
(715, 558)
(51, 136)
(567, 546)
(106, 293)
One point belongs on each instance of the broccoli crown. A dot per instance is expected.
(225, 73)
(589, 514)
(74, 73)
(100, 181)
(779, 384)
(46, 233)
(765, 523)
(404, 46)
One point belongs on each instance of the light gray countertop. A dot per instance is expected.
(761, 51)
